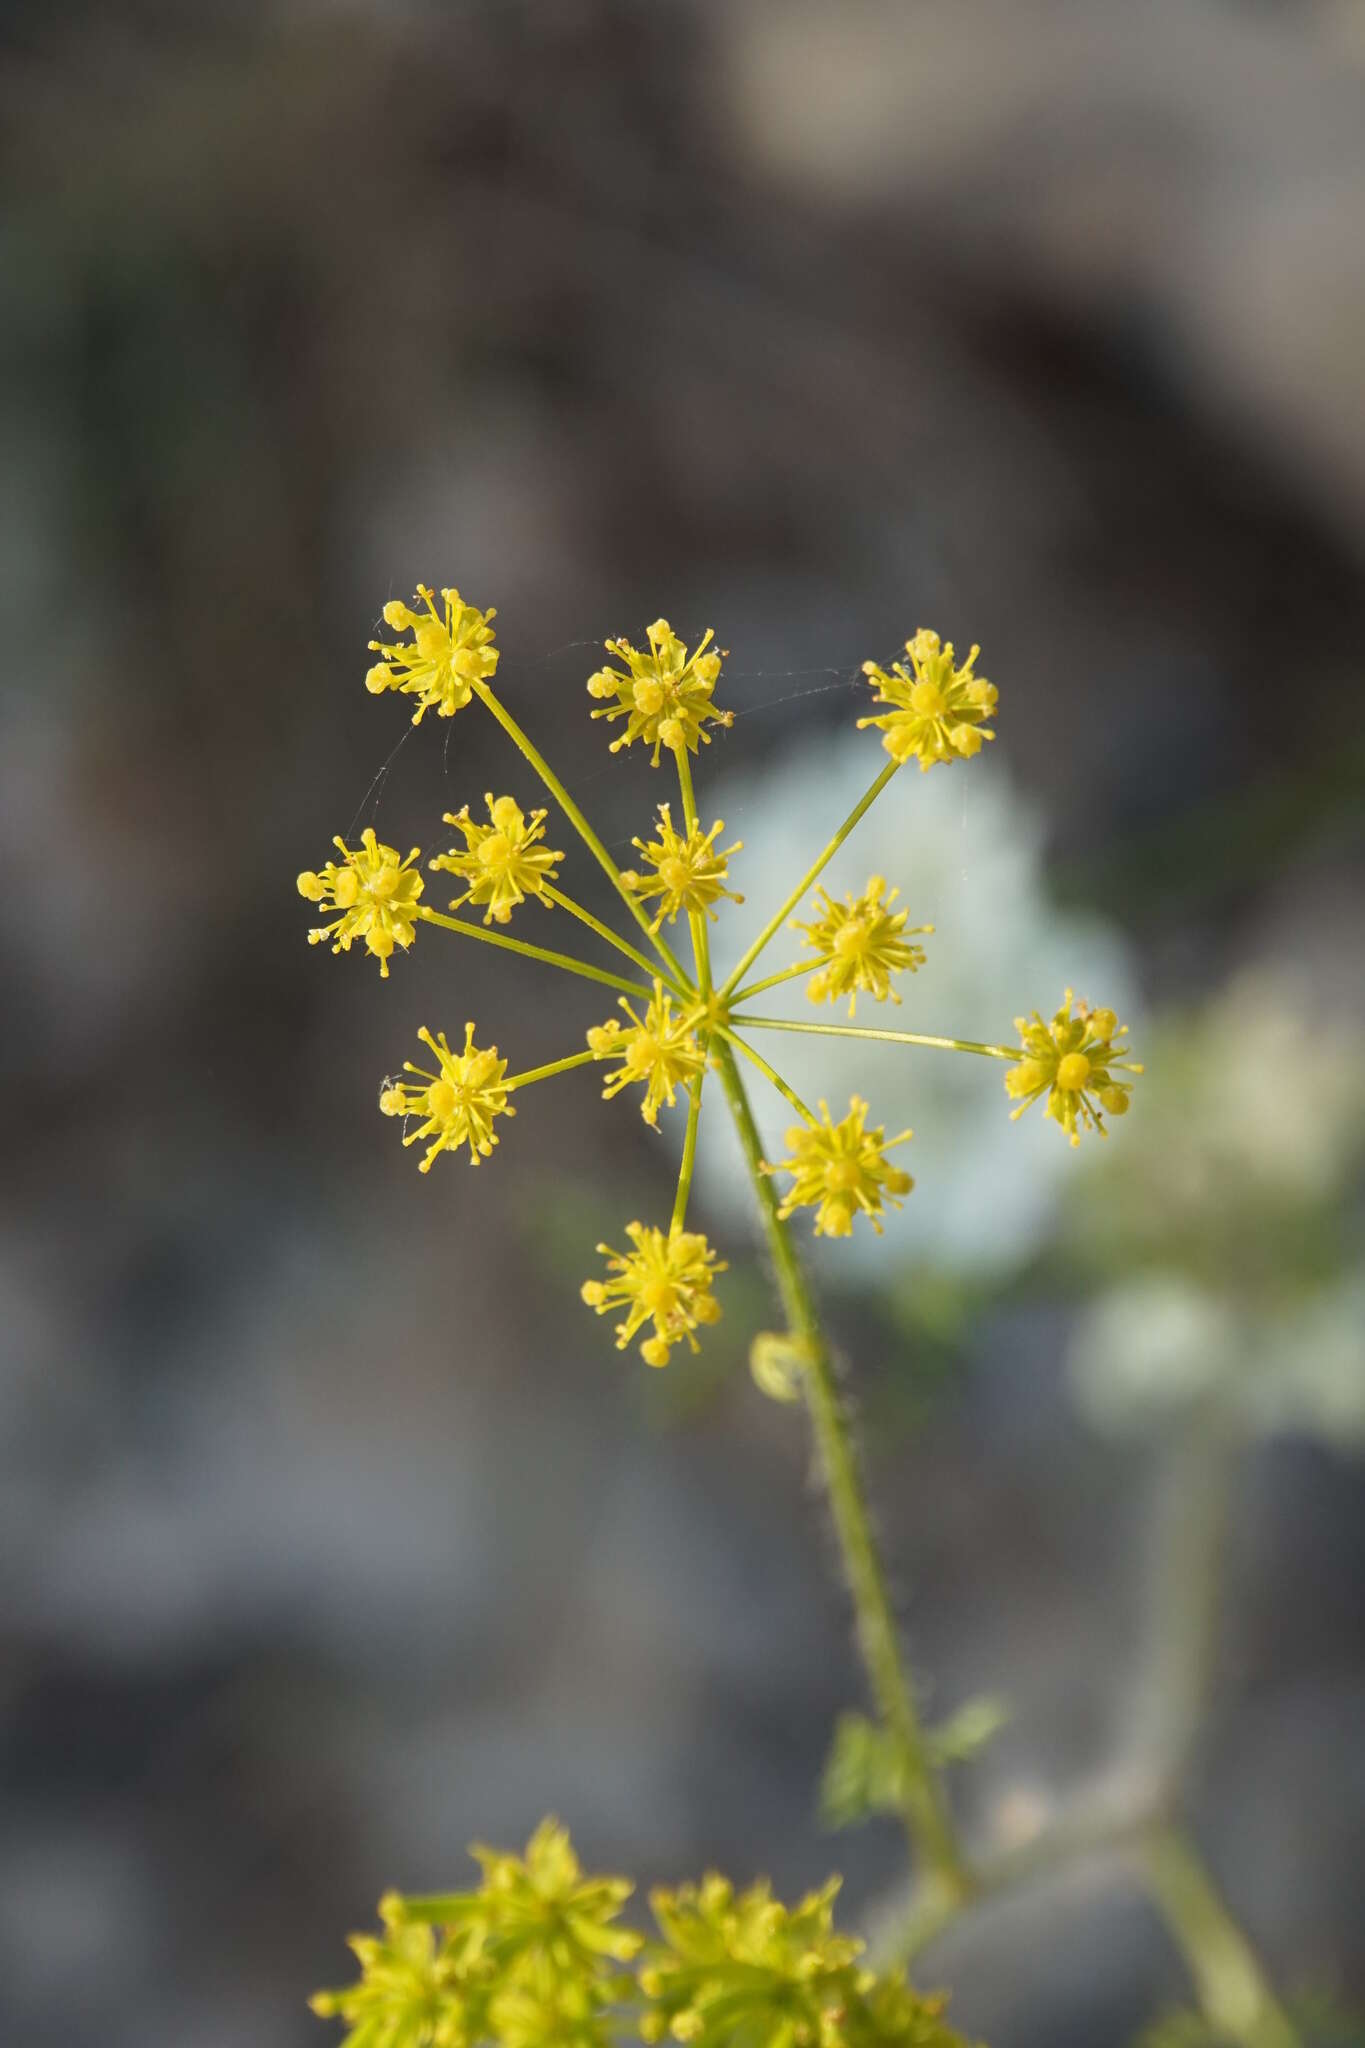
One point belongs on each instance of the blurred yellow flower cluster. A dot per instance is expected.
(536, 1958)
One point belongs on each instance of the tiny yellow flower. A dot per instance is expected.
(502, 862)
(375, 893)
(1073, 1061)
(689, 874)
(663, 695)
(661, 1050)
(457, 1103)
(666, 1280)
(860, 940)
(937, 710)
(840, 1169)
(445, 657)
(411, 1986)
(544, 1902)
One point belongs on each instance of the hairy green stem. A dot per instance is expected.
(580, 824)
(813, 872)
(927, 1818)
(541, 953)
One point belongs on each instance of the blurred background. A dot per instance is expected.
(334, 1532)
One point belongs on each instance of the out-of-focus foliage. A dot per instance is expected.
(1228, 1244)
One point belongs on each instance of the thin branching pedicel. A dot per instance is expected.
(665, 694)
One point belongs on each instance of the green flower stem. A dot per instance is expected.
(689, 1154)
(990, 1052)
(701, 942)
(756, 988)
(775, 923)
(1197, 1484)
(756, 1059)
(564, 960)
(579, 823)
(604, 931)
(575, 1059)
(1233, 1990)
(927, 1818)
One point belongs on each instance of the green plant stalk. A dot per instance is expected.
(689, 1155)
(580, 824)
(927, 1818)
(701, 943)
(812, 874)
(756, 988)
(990, 1052)
(784, 1088)
(604, 931)
(564, 1066)
(1233, 1990)
(541, 953)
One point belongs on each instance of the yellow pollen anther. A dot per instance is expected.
(441, 1098)
(928, 700)
(496, 851)
(642, 1052)
(1073, 1071)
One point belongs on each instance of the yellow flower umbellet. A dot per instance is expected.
(458, 1103)
(689, 874)
(374, 893)
(678, 1025)
(449, 651)
(1074, 1061)
(841, 1169)
(937, 710)
(535, 1958)
(666, 1280)
(661, 1050)
(502, 861)
(664, 694)
(862, 944)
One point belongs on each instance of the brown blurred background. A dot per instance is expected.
(334, 1534)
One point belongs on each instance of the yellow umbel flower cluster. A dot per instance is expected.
(448, 653)
(660, 1050)
(666, 1280)
(862, 943)
(664, 694)
(374, 893)
(689, 874)
(458, 1103)
(1073, 1060)
(679, 1024)
(841, 1169)
(936, 710)
(535, 1958)
(502, 861)
(741, 1967)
